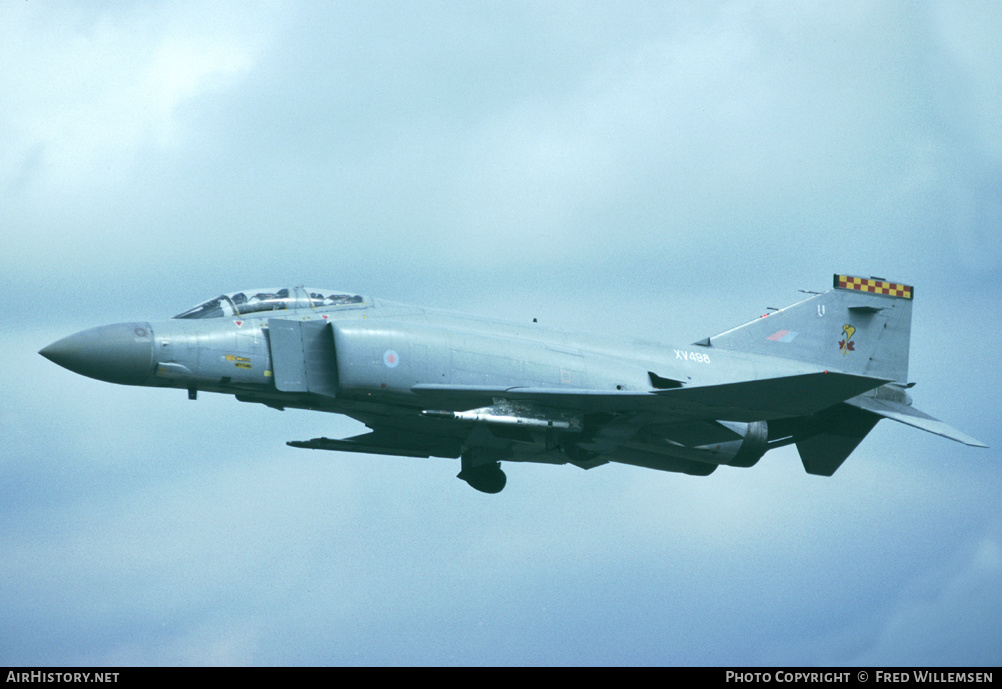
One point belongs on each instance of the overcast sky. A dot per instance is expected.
(664, 170)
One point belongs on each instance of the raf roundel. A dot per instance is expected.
(391, 358)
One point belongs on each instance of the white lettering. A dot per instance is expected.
(952, 677)
(813, 677)
(732, 676)
(892, 676)
(68, 677)
(698, 357)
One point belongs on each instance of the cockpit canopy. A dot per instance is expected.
(257, 300)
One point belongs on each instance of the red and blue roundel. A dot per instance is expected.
(391, 358)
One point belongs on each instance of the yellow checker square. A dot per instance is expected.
(874, 286)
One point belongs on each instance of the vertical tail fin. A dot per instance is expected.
(861, 326)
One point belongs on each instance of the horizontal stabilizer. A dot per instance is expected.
(905, 414)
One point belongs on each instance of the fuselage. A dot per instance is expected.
(381, 362)
(384, 348)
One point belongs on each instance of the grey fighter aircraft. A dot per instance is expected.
(427, 383)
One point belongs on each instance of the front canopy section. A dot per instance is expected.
(267, 301)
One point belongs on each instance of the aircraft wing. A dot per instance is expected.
(644, 428)
(755, 400)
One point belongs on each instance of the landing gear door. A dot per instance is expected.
(302, 356)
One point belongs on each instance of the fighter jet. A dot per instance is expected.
(818, 374)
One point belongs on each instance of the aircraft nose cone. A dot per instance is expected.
(120, 353)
